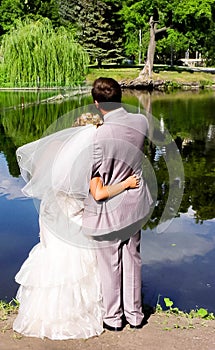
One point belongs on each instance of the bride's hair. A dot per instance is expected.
(88, 118)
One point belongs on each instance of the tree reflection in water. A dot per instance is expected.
(189, 118)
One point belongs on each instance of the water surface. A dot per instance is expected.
(177, 263)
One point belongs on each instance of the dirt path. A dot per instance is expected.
(163, 332)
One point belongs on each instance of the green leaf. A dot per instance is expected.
(168, 302)
(202, 312)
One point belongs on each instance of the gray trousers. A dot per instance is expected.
(119, 266)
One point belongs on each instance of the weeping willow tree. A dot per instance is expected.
(37, 55)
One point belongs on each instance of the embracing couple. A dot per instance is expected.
(85, 274)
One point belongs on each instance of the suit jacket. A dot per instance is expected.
(118, 153)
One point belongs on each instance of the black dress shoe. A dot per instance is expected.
(112, 329)
(139, 326)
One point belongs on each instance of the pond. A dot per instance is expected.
(177, 261)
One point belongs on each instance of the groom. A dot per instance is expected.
(115, 223)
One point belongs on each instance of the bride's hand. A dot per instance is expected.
(132, 181)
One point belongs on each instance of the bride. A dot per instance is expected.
(59, 291)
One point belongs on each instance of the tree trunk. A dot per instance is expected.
(99, 62)
(145, 100)
(146, 72)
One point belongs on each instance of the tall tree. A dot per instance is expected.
(146, 72)
(48, 8)
(35, 54)
(187, 22)
(135, 16)
(12, 11)
(99, 28)
(146, 17)
(194, 19)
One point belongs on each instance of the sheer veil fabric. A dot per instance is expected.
(57, 170)
(59, 291)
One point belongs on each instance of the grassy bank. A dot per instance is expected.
(164, 330)
(115, 73)
(175, 76)
(6, 309)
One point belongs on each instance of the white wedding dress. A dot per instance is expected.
(59, 291)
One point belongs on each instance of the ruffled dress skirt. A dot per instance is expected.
(59, 293)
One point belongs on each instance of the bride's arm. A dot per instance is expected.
(100, 192)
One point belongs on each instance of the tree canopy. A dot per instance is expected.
(109, 30)
(189, 24)
(99, 27)
(36, 54)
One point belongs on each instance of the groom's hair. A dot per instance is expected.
(107, 92)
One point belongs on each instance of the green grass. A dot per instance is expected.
(198, 313)
(7, 308)
(170, 319)
(178, 76)
(185, 77)
(115, 73)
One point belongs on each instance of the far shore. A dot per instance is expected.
(164, 79)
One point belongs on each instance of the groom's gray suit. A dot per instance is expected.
(115, 223)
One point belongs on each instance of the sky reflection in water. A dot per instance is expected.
(179, 263)
(18, 231)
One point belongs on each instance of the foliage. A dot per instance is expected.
(193, 19)
(135, 17)
(36, 9)
(110, 29)
(173, 44)
(12, 11)
(201, 313)
(102, 38)
(35, 54)
(8, 308)
(189, 23)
